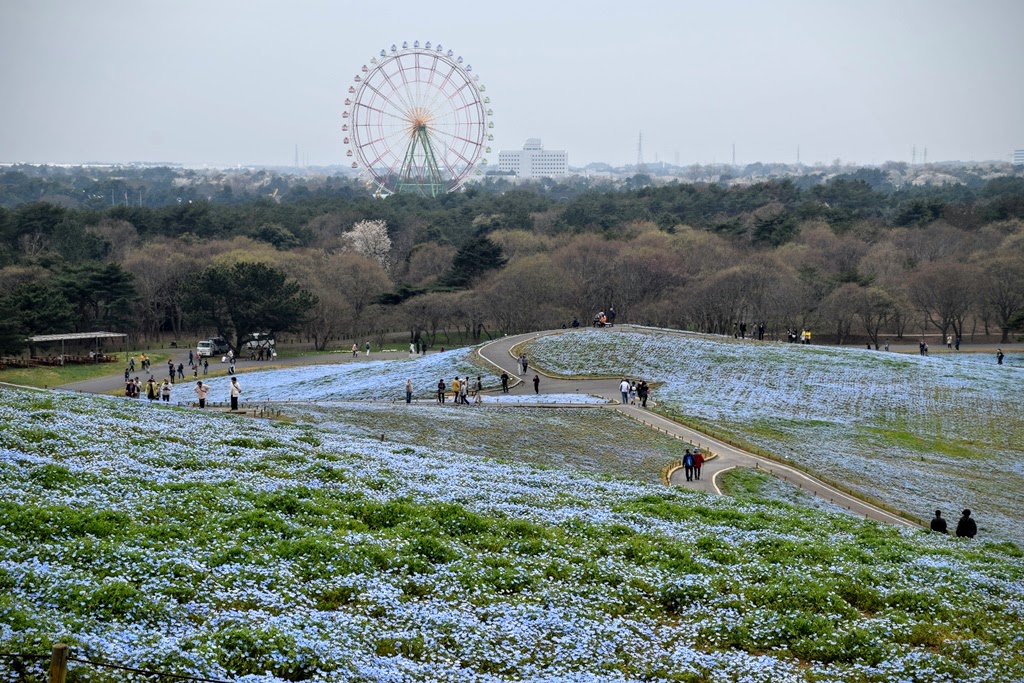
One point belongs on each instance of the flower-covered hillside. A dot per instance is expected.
(225, 547)
(371, 381)
(917, 432)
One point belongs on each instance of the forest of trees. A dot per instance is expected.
(856, 256)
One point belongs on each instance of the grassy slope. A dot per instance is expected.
(216, 546)
(580, 439)
(918, 433)
(58, 376)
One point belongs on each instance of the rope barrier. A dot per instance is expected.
(145, 672)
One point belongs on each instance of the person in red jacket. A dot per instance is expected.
(698, 462)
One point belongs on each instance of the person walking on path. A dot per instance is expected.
(999, 356)
(642, 390)
(408, 390)
(206, 366)
(688, 464)
(165, 391)
(966, 528)
(201, 391)
(456, 389)
(464, 391)
(698, 462)
(938, 524)
(236, 391)
(181, 371)
(367, 348)
(190, 358)
(536, 384)
(440, 390)
(624, 390)
(504, 382)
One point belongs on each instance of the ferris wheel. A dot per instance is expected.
(417, 120)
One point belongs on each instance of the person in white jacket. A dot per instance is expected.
(624, 390)
(201, 391)
(236, 391)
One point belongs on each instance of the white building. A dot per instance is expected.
(533, 161)
(1018, 156)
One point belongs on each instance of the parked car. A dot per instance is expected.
(212, 347)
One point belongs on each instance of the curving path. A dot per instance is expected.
(500, 356)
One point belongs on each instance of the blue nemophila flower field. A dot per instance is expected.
(382, 380)
(221, 546)
(919, 433)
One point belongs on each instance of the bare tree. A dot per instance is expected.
(428, 263)
(875, 309)
(944, 294)
(162, 272)
(1002, 292)
(586, 268)
(120, 236)
(427, 314)
(522, 297)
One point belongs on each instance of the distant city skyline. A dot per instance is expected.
(243, 83)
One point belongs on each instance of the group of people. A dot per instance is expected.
(144, 363)
(965, 528)
(739, 330)
(461, 390)
(692, 463)
(793, 335)
(633, 391)
(156, 391)
(603, 319)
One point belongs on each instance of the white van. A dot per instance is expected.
(205, 348)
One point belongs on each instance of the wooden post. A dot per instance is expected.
(58, 663)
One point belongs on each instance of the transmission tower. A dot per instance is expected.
(640, 168)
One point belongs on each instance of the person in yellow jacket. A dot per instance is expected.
(456, 386)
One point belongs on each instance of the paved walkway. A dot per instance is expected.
(114, 383)
(499, 354)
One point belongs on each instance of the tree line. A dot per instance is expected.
(853, 257)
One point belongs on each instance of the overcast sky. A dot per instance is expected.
(243, 82)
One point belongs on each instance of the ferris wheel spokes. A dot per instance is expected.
(417, 121)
